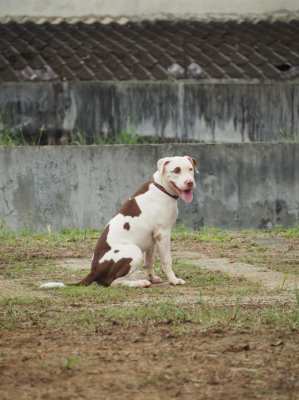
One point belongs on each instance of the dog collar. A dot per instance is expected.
(165, 191)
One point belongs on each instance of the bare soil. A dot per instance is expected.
(43, 357)
(149, 362)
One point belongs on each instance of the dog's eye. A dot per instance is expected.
(177, 170)
(190, 169)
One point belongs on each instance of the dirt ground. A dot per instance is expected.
(218, 337)
(149, 362)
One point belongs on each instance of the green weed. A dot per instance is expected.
(71, 362)
(12, 138)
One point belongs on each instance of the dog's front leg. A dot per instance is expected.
(149, 265)
(164, 249)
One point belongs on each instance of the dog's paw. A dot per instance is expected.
(155, 279)
(144, 283)
(177, 281)
(140, 283)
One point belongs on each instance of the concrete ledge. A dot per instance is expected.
(206, 112)
(239, 185)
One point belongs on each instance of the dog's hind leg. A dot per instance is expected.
(135, 277)
(130, 282)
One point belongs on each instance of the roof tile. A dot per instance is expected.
(147, 50)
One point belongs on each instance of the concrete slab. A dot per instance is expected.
(266, 277)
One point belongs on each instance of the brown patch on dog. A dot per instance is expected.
(102, 247)
(127, 226)
(192, 160)
(143, 189)
(109, 270)
(130, 209)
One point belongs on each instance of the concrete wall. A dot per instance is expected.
(239, 185)
(142, 7)
(230, 112)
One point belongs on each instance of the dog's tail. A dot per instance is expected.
(55, 285)
(52, 285)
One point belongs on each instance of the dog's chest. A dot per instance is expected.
(154, 218)
(157, 210)
(156, 213)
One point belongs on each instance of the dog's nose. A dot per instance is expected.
(189, 184)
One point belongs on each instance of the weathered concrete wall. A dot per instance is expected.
(141, 7)
(206, 112)
(239, 185)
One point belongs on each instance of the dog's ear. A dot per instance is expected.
(192, 160)
(161, 164)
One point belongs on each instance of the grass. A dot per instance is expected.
(62, 315)
(206, 234)
(124, 137)
(94, 294)
(71, 362)
(28, 258)
(15, 137)
(11, 137)
(290, 233)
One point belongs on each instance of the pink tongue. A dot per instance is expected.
(187, 196)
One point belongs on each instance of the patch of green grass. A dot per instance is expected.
(285, 266)
(218, 235)
(64, 314)
(22, 311)
(216, 282)
(22, 300)
(15, 137)
(214, 235)
(25, 245)
(31, 271)
(65, 235)
(12, 137)
(173, 314)
(196, 277)
(95, 294)
(124, 137)
(287, 318)
(71, 362)
(154, 313)
(289, 233)
(206, 234)
(181, 232)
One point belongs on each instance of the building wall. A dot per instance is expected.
(142, 7)
(238, 185)
(228, 112)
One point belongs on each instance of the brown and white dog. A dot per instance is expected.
(142, 226)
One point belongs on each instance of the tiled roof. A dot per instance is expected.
(149, 50)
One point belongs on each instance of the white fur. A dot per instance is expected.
(52, 285)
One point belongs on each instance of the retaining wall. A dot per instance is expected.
(238, 185)
(205, 112)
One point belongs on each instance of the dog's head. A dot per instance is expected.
(177, 175)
